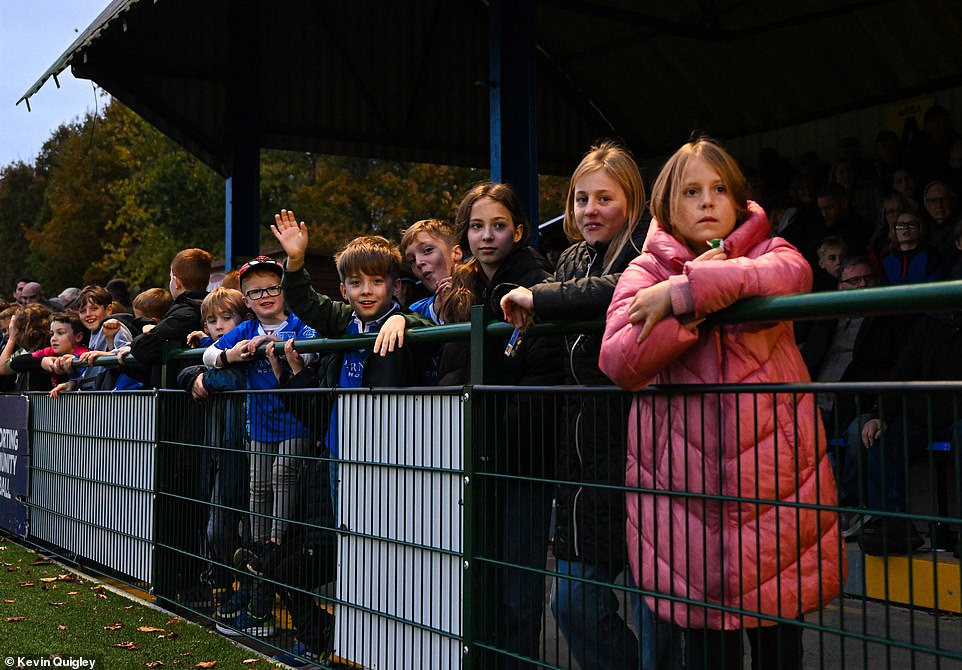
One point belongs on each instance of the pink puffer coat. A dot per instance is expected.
(765, 552)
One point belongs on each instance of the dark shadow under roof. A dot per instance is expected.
(408, 79)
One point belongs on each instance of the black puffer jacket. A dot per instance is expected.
(591, 520)
(523, 443)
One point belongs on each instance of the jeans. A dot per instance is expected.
(660, 640)
(587, 615)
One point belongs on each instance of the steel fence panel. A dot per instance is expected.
(92, 481)
(399, 499)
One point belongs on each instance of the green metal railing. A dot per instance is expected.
(875, 623)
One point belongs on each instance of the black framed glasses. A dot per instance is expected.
(269, 291)
(860, 279)
(906, 225)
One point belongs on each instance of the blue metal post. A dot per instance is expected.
(242, 190)
(513, 101)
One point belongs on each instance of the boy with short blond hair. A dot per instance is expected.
(430, 247)
(152, 304)
(222, 310)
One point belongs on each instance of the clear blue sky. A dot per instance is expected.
(33, 34)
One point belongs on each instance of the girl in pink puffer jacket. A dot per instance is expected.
(748, 540)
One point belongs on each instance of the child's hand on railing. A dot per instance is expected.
(193, 340)
(275, 364)
(293, 358)
(390, 335)
(650, 305)
(518, 307)
(197, 390)
(90, 357)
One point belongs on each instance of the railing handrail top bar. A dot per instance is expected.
(906, 299)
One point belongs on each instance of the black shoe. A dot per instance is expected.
(892, 537)
(264, 558)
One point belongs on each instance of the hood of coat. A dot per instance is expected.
(676, 253)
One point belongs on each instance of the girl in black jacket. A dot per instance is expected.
(605, 216)
(516, 502)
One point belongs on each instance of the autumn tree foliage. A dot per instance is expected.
(110, 196)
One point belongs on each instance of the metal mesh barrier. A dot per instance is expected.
(484, 527)
(92, 478)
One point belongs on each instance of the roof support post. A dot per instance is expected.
(242, 192)
(513, 100)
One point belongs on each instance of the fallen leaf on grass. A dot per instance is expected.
(57, 604)
(27, 584)
(250, 661)
(13, 619)
(62, 627)
(114, 626)
(42, 561)
(13, 569)
(73, 593)
(100, 595)
(206, 664)
(3, 547)
(98, 589)
(8, 601)
(48, 579)
(129, 607)
(170, 636)
(149, 629)
(172, 620)
(155, 664)
(131, 646)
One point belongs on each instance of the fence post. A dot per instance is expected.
(469, 486)
(484, 350)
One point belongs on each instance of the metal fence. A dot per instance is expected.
(430, 536)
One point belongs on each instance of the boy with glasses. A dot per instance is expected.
(278, 440)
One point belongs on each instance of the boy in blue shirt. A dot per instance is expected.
(277, 439)
(431, 248)
(370, 268)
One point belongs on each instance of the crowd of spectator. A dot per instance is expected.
(857, 221)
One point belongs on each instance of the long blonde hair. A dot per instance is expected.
(618, 163)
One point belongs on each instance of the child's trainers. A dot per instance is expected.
(235, 605)
(248, 624)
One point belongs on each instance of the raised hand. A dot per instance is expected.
(292, 236)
